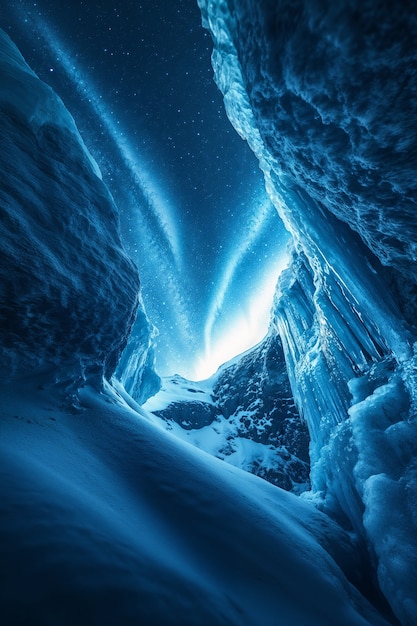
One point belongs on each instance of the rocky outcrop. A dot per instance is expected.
(245, 414)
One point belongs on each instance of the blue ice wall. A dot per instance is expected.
(136, 368)
(69, 292)
(325, 94)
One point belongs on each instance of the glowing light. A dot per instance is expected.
(225, 333)
(146, 180)
(255, 227)
(245, 330)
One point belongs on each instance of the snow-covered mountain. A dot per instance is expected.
(244, 414)
(108, 518)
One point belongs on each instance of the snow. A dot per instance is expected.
(215, 440)
(179, 390)
(244, 415)
(105, 519)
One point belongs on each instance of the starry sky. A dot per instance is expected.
(194, 214)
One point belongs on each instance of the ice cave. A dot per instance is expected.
(281, 490)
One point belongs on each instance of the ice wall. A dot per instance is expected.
(69, 292)
(136, 368)
(325, 94)
(331, 87)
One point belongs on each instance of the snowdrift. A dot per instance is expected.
(106, 519)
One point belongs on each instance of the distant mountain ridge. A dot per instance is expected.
(244, 414)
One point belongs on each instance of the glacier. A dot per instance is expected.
(325, 95)
(108, 514)
(57, 248)
(105, 517)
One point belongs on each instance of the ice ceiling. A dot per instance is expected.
(195, 217)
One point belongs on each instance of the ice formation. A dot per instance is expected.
(136, 368)
(106, 518)
(325, 95)
(69, 292)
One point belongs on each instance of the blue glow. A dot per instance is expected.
(193, 210)
(165, 214)
(245, 329)
(164, 248)
(255, 226)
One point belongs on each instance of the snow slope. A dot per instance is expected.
(107, 519)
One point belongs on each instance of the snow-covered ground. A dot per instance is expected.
(107, 519)
(219, 437)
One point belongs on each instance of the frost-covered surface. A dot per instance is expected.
(325, 94)
(136, 368)
(330, 87)
(244, 414)
(107, 519)
(328, 340)
(68, 290)
(358, 400)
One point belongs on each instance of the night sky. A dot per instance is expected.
(138, 80)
